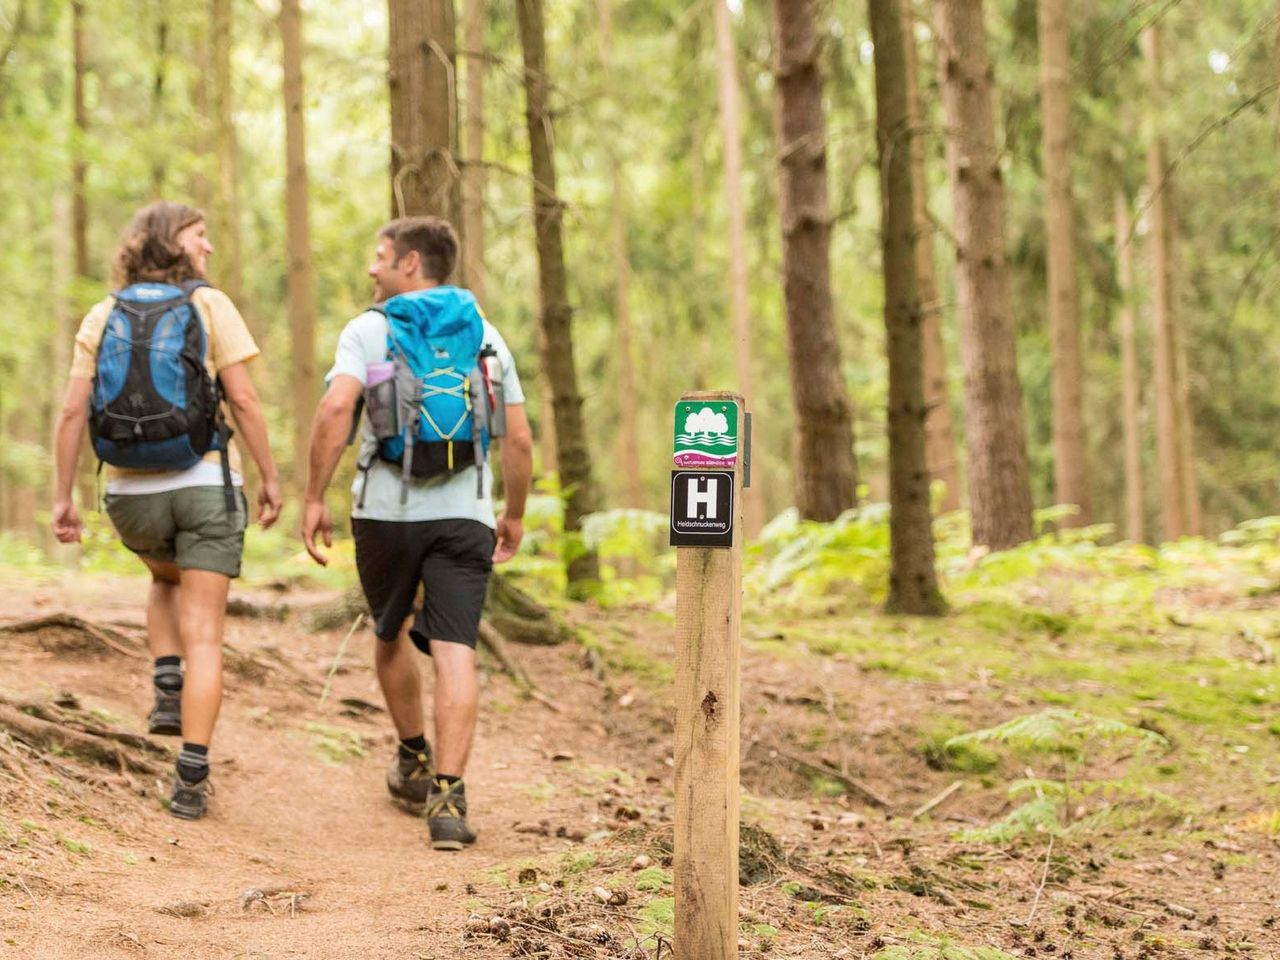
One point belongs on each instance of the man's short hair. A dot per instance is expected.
(432, 237)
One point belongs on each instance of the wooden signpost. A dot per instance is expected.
(712, 432)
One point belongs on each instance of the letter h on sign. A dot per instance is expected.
(705, 498)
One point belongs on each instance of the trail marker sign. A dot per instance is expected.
(702, 508)
(711, 440)
(706, 433)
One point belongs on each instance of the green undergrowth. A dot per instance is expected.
(925, 947)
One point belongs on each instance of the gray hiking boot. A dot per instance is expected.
(409, 780)
(189, 801)
(447, 816)
(165, 718)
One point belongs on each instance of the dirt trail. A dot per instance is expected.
(285, 818)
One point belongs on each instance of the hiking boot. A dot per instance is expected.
(409, 780)
(165, 718)
(189, 801)
(447, 816)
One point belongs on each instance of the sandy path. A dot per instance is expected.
(283, 816)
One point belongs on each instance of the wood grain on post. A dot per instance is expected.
(708, 621)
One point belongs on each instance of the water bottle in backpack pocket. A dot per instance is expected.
(380, 399)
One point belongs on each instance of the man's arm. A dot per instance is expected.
(67, 437)
(329, 432)
(517, 471)
(247, 410)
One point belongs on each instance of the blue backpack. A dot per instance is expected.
(154, 405)
(431, 417)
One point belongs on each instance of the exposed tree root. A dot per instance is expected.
(48, 728)
(107, 636)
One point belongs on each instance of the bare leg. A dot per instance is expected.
(163, 636)
(202, 607)
(401, 683)
(457, 695)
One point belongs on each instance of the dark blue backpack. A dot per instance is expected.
(154, 405)
(432, 417)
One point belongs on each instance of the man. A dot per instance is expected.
(440, 533)
(186, 525)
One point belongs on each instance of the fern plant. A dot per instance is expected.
(1072, 736)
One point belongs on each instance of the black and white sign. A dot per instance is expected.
(701, 508)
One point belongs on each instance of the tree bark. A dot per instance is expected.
(473, 178)
(576, 483)
(939, 427)
(225, 226)
(86, 470)
(1070, 467)
(159, 77)
(739, 307)
(424, 109)
(999, 483)
(629, 435)
(1177, 482)
(301, 286)
(79, 166)
(826, 474)
(200, 185)
(1130, 379)
(913, 582)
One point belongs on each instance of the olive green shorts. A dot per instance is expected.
(190, 527)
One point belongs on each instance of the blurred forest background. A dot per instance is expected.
(1172, 130)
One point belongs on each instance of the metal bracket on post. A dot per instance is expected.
(711, 445)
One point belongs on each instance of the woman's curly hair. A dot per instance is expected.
(149, 250)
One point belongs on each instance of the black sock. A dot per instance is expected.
(168, 675)
(410, 747)
(193, 762)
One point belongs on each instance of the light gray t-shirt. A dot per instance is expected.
(364, 341)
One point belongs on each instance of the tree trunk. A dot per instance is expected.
(739, 308)
(826, 474)
(1070, 469)
(86, 470)
(225, 226)
(424, 108)
(629, 436)
(999, 483)
(913, 583)
(1177, 482)
(79, 166)
(159, 77)
(1130, 390)
(200, 185)
(939, 428)
(576, 484)
(301, 288)
(473, 178)
(66, 320)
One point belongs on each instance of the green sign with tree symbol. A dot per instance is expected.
(706, 433)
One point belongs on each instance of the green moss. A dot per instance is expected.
(657, 916)
(653, 879)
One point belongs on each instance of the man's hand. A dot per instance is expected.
(510, 533)
(66, 522)
(269, 502)
(316, 519)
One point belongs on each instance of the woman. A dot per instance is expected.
(186, 523)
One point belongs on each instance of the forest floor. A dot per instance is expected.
(1125, 851)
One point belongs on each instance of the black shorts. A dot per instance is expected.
(450, 558)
